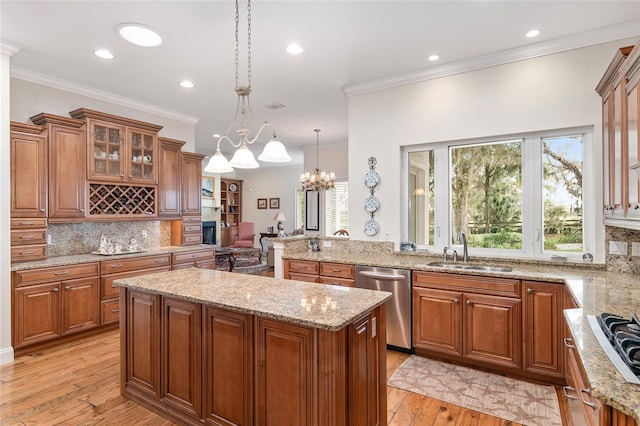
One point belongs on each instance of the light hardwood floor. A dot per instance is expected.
(77, 383)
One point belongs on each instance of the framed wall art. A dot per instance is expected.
(262, 203)
(274, 203)
(208, 186)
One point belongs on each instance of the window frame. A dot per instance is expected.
(532, 190)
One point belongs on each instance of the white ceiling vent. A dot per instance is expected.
(275, 105)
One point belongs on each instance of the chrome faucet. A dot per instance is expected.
(462, 238)
(444, 254)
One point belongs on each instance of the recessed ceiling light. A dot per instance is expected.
(533, 33)
(294, 49)
(433, 57)
(186, 83)
(103, 53)
(138, 34)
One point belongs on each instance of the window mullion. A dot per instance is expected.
(442, 215)
(532, 208)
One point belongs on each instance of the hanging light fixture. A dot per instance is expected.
(274, 151)
(318, 180)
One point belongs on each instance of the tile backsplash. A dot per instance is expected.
(619, 263)
(81, 238)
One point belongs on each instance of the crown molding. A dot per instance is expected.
(8, 48)
(79, 89)
(574, 41)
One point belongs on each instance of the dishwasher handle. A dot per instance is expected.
(381, 276)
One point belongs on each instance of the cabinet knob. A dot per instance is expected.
(130, 176)
(529, 291)
(67, 287)
(81, 210)
(469, 302)
(42, 210)
(456, 301)
(636, 207)
(56, 289)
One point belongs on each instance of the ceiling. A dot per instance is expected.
(346, 43)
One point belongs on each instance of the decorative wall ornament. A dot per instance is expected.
(371, 203)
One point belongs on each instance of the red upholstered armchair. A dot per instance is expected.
(245, 236)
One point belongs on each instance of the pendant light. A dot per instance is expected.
(318, 180)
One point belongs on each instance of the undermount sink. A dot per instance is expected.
(485, 268)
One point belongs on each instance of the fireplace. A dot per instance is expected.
(209, 232)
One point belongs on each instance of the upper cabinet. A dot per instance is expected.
(120, 149)
(67, 166)
(191, 183)
(28, 171)
(170, 178)
(619, 91)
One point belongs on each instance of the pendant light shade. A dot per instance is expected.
(274, 152)
(218, 164)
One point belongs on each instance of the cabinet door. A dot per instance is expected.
(37, 314)
(181, 356)
(28, 175)
(228, 368)
(67, 172)
(191, 183)
(620, 164)
(633, 118)
(106, 151)
(284, 399)
(141, 157)
(169, 180)
(363, 372)
(80, 304)
(143, 342)
(492, 327)
(437, 320)
(542, 330)
(607, 154)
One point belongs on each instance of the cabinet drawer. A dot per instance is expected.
(27, 223)
(28, 236)
(340, 270)
(191, 239)
(192, 228)
(28, 253)
(304, 266)
(109, 311)
(484, 285)
(58, 273)
(192, 219)
(136, 263)
(192, 256)
(108, 290)
(345, 282)
(304, 277)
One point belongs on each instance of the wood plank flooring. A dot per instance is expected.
(77, 383)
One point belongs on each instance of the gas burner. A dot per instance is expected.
(624, 337)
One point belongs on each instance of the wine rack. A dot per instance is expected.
(106, 200)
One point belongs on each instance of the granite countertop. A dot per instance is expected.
(328, 307)
(88, 258)
(595, 291)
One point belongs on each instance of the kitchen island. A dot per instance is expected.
(201, 345)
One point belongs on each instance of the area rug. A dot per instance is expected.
(498, 396)
(245, 264)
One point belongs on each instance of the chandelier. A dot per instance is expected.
(274, 151)
(319, 180)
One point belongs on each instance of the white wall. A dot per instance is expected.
(6, 351)
(549, 92)
(333, 158)
(29, 99)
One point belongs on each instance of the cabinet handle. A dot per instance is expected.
(529, 290)
(568, 388)
(115, 310)
(26, 237)
(26, 223)
(469, 302)
(118, 265)
(130, 176)
(456, 301)
(569, 343)
(336, 270)
(157, 261)
(27, 252)
(81, 210)
(61, 273)
(588, 392)
(67, 287)
(56, 289)
(302, 266)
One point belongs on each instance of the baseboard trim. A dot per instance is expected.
(6, 355)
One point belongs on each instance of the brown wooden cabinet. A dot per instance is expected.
(228, 368)
(28, 239)
(320, 272)
(67, 166)
(187, 231)
(52, 302)
(170, 178)
(191, 184)
(28, 171)
(543, 351)
(632, 119)
(230, 201)
(204, 258)
(477, 319)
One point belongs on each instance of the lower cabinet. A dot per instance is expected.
(342, 274)
(197, 258)
(202, 364)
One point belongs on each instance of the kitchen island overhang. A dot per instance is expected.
(203, 346)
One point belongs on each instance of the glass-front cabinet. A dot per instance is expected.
(106, 146)
(142, 156)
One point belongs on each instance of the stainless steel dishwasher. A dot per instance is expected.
(398, 283)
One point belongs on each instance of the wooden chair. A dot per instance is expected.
(245, 236)
(341, 233)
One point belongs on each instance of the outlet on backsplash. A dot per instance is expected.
(618, 247)
(635, 249)
(630, 260)
(144, 233)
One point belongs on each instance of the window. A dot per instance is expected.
(336, 211)
(518, 196)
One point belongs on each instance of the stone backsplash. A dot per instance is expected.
(617, 263)
(81, 238)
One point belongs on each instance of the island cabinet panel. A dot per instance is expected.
(492, 329)
(181, 356)
(543, 328)
(142, 369)
(437, 316)
(228, 368)
(363, 372)
(284, 396)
